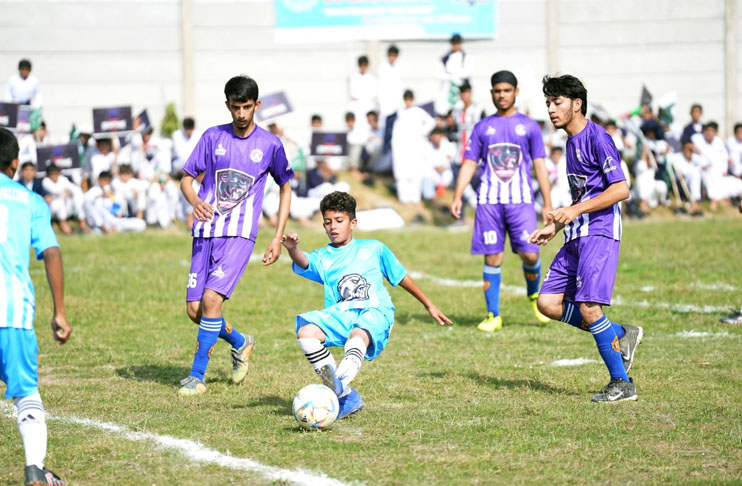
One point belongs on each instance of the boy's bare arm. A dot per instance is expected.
(410, 286)
(291, 243)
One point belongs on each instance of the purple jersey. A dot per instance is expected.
(234, 181)
(593, 164)
(506, 147)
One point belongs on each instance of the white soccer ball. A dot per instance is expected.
(316, 407)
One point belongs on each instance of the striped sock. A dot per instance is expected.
(607, 341)
(208, 334)
(317, 355)
(573, 317)
(355, 350)
(32, 426)
(532, 273)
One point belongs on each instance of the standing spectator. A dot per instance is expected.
(715, 170)
(466, 114)
(561, 195)
(374, 143)
(686, 164)
(23, 88)
(184, 141)
(363, 89)
(390, 84)
(695, 126)
(453, 70)
(31, 182)
(357, 136)
(409, 138)
(66, 200)
(734, 145)
(103, 159)
(440, 155)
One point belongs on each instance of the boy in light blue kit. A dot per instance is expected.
(358, 312)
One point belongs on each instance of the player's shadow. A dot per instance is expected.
(495, 382)
(280, 405)
(168, 374)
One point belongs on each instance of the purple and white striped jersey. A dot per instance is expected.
(235, 170)
(505, 147)
(593, 164)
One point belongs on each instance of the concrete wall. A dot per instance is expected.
(98, 53)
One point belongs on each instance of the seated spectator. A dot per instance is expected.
(322, 180)
(720, 186)
(734, 145)
(374, 143)
(184, 210)
(649, 171)
(23, 88)
(103, 213)
(438, 175)
(556, 164)
(651, 122)
(686, 165)
(162, 201)
(130, 192)
(184, 141)
(695, 126)
(66, 198)
(150, 155)
(31, 182)
(103, 159)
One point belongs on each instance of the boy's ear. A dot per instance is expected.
(353, 223)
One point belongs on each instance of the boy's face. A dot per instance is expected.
(242, 112)
(54, 176)
(339, 227)
(28, 173)
(696, 114)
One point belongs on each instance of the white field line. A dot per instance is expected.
(573, 362)
(701, 334)
(196, 451)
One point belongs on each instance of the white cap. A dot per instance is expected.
(85, 128)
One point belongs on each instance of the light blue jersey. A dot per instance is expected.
(24, 221)
(355, 296)
(353, 274)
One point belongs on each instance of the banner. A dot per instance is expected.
(143, 120)
(273, 106)
(303, 21)
(63, 156)
(23, 125)
(8, 115)
(329, 144)
(429, 108)
(114, 119)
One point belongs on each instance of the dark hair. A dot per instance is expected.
(567, 86)
(393, 50)
(456, 39)
(241, 89)
(408, 94)
(316, 117)
(438, 131)
(8, 149)
(42, 124)
(711, 124)
(189, 123)
(610, 123)
(737, 126)
(104, 140)
(556, 148)
(338, 201)
(24, 64)
(373, 113)
(26, 164)
(350, 116)
(696, 105)
(363, 60)
(465, 86)
(52, 169)
(104, 175)
(125, 169)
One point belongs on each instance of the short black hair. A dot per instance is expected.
(189, 123)
(125, 169)
(556, 148)
(363, 60)
(339, 201)
(8, 149)
(711, 124)
(393, 50)
(438, 131)
(696, 105)
(24, 64)
(408, 94)
(52, 169)
(610, 123)
(456, 39)
(567, 86)
(26, 164)
(316, 118)
(373, 113)
(241, 89)
(465, 86)
(350, 116)
(105, 175)
(737, 126)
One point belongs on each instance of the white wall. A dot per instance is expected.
(97, 53)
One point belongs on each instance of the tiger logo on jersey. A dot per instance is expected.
(232, 187)
(353, 287)
(504, 160)
(577, 186)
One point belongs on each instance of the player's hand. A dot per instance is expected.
(439, 316)
(61, 329)
(544, 235)
(290, 241)
(203, 211)
(273, 251)
(455, 208)
(545, 214)
(564, 215)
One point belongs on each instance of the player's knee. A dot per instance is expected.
(212, 303)
(591, 311)
(529, 258)
(310, 331)
(194, 311)
(549, 305)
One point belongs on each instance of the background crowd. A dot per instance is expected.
(126, 183)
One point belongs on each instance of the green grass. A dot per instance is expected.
(444, 406)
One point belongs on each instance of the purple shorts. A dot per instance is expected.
(217, 264)
(493, 220)
(584, 270)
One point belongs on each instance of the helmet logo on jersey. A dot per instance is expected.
(353, 287)
(232, 187)
(577, 186)
(504, 160)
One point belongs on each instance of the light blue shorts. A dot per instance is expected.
(18, 353)
(338, 324)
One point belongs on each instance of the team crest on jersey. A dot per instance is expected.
(504, 160)
(520, 129)
(256, 155)
(232, 187)
(353, 287)
(577, 186)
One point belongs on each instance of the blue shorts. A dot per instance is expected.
(337, 325)
(18, 352)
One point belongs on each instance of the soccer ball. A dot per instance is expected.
(316, 407)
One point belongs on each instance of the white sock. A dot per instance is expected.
(32, 425)
(317, 354)
(355, 349)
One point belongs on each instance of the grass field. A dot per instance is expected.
(444, 406)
